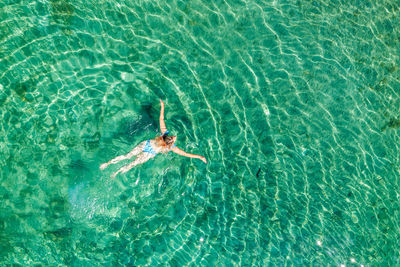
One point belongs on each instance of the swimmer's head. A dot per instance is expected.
(169, 140)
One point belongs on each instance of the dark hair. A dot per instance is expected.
(168, 139)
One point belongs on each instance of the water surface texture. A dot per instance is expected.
(295, 104)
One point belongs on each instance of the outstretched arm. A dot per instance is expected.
(162, 123)
(183, 153)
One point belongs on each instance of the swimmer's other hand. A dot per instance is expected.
(203, 159)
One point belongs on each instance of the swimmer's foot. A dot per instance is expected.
(114, 174)
(103, 166)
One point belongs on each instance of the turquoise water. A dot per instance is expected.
(295, 105)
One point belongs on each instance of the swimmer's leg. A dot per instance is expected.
(134, 152)
(141, 158)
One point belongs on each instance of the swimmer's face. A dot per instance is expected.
(173, 139)
(169, 140)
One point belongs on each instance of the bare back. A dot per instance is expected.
(159, 146)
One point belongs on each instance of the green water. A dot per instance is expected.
(295, 105)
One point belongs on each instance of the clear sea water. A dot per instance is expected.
(295, 104)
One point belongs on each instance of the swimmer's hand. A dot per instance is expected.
(162, 103)
(203, 159)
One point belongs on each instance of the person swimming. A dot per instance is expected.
(150, 148)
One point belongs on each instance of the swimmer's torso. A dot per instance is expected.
(157, 147)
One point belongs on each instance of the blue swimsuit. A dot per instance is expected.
(149, 149)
